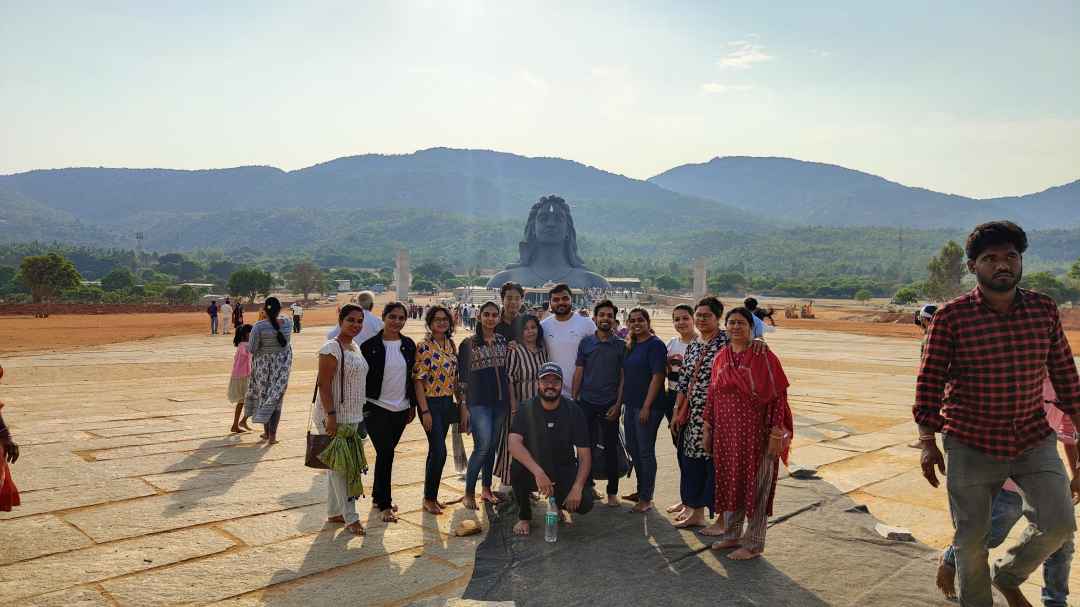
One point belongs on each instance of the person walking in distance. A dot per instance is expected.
(549, 441)
(225, 311)
(988, 404)
(238, 314)
(297, 314)
(597, 389)
(563, 331)
(212, 311)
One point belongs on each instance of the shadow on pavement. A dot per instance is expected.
(816, 554)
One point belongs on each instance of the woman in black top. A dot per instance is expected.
(391, 398)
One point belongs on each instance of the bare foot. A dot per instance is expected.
(469, 501)
(432, 507)
(946, 580)
(564, 517)
(746, 554)
(235, 430)
(263, 436)
(726, 545)
(388, 516)
(1013, 596)
(691, 521)
(336, 519)
(272, 440)
(356, 528)
(488, 497)
(612, 501)
(244, 425)
(642, 507)
(714, 530)
(676, 508)
(522, 528)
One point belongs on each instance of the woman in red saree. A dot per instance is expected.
(748, 427)
(9, 452)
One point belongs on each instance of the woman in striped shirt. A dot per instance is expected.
(526, 357)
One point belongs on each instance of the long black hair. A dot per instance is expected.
(272, 307)
(478, 337)
(243, 332)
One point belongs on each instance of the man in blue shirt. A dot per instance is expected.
(759, 325)
(597, 388)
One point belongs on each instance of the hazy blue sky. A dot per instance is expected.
(978, 98)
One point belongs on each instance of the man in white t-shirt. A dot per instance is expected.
(297, 315)
(225, 311)
(563, 331)
(372, 324)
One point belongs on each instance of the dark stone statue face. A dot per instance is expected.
(551, 225)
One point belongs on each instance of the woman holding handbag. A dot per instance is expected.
(339, 413)
(748, 429)
(695, 463)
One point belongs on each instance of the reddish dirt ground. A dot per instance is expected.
(61, 331)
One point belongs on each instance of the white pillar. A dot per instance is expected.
(402, 275)
(699, 278)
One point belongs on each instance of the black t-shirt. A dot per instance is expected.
(564, 429)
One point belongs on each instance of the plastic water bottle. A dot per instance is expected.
(551, 521)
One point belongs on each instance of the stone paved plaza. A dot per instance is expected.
(134, 492)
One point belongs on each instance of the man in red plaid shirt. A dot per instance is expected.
(980, 385)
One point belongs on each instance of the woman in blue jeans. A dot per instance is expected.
(484, 386)
(435, 376)
(643, 383)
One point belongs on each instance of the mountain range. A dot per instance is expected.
(476, 198)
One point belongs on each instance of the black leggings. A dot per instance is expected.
(385, 429)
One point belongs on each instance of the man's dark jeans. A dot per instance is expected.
(598, 423)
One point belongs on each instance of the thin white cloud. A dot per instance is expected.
(743, 55)
(717, 88)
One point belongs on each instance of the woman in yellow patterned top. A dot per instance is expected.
(435, 374)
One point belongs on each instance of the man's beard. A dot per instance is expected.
(564, 309)
(996, 285)
(604, 325)
(544, 394)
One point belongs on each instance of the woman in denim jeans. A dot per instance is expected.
(485, 390)
(435, 377)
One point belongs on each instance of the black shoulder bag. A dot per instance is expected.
(317, 443)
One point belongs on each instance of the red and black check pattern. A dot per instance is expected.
(982, 372)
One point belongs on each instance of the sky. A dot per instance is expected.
(978, 98)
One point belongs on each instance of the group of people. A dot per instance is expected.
(541, 396)
(234, 316)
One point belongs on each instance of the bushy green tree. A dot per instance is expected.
(47, 275)
(1048, 284)
(118, 279)
(248, 282)
(305, 278)
(906, 295)
(667, 282)
(945, 270)
(863, 295)
(423, 285)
